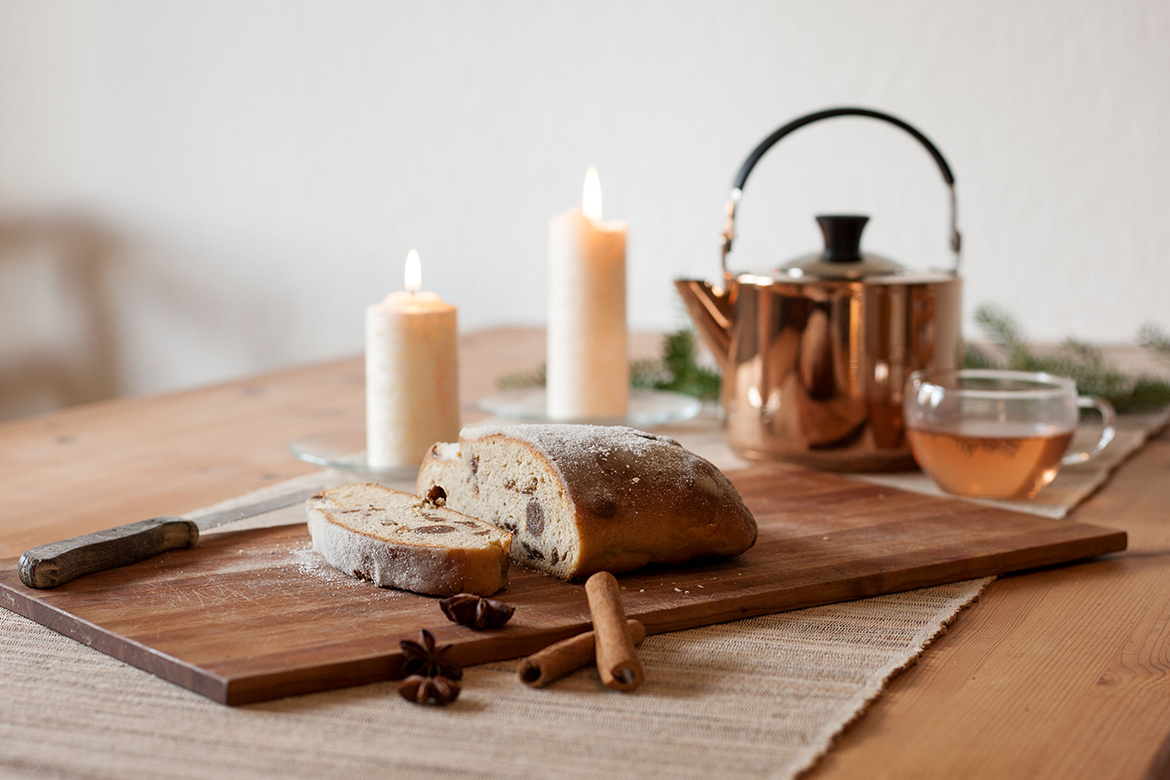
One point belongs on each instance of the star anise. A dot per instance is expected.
(468, 609)
(422, 658)
(429, 690)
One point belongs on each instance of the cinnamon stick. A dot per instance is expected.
(569, 655)
(617, 661)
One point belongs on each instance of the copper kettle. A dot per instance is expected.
(815, 353)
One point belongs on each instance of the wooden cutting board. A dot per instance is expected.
(254, 615)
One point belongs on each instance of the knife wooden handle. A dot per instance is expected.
(55, 564)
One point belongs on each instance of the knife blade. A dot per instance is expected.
(56, 563)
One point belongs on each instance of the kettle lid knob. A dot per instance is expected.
(842, 234)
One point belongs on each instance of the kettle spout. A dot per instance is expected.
(711, 309)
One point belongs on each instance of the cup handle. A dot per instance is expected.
(1108, 417)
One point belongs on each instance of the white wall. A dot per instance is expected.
(260, 169)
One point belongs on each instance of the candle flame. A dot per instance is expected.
(413, 272)
(591, 196)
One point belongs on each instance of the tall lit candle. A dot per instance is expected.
(588, 369)
(412, 373)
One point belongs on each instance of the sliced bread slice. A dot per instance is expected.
(398, 540)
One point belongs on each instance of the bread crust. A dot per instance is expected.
(345, 535)
(634, 498)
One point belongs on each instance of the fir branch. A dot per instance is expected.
(1154, 338)
(523, 380)
(1084, 353)
(1082, 362)
(976, 357)
(685, 375)
(647, 373)
(999, 326)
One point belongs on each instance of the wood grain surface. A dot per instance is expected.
(1061, 673)
(256, 615)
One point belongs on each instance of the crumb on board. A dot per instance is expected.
(312, 564)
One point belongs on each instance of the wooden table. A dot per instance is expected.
(1056, 673)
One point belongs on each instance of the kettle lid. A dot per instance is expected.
(842, 257)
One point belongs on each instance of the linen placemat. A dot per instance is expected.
(758, 698)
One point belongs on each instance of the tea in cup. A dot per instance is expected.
(996, 434)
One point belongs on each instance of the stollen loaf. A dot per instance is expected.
(587, 498)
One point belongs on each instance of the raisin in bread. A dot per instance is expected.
(587, 498)
(398, 540)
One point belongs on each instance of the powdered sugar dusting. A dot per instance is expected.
(555, 438)
(313, 564)
(446, 450)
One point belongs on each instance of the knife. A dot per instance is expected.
(56, 563)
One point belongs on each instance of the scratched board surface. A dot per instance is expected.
(254, 614)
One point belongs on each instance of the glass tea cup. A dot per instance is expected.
(996, 434)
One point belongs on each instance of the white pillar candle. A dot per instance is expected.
(588, 368)
(412, 374)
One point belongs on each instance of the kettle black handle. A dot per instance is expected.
(796, 124)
